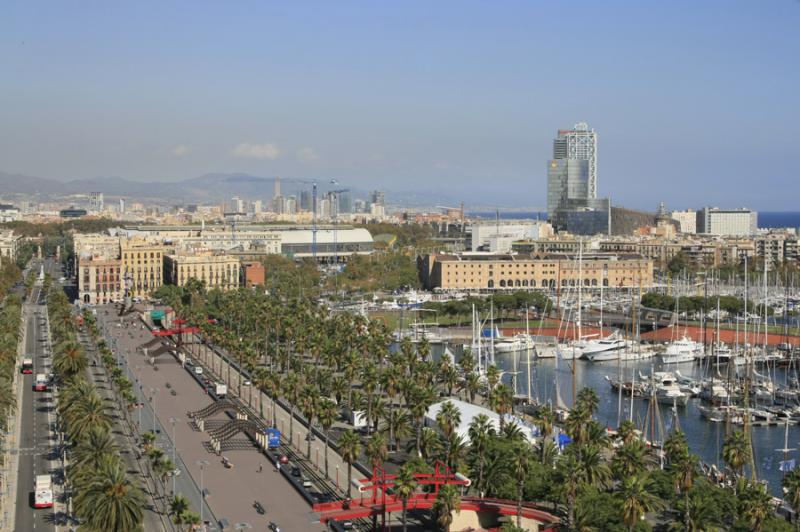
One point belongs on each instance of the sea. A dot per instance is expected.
(704, 436)
(766, 220)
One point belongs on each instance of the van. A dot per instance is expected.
(198, 370)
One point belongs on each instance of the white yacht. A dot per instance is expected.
(514, 344)
(682, 351)
(667, 390)
(607, 348)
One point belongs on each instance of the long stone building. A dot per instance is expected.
(530, 271)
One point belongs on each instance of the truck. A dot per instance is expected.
(221, 390)
(43, 492)
(27, 366)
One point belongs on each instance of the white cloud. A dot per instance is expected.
(257, 151)
(307, 155)
(180, 150)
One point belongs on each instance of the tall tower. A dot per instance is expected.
(276, 188)
(579, 143)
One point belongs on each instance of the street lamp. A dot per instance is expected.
(202, 463)
(154, 391)
(174, 421)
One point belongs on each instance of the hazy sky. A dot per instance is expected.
(694, 102)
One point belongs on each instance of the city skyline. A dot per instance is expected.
(462, 97)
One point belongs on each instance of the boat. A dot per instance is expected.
(682, 351)
(667, 390)
(514, 344)
(603, 349)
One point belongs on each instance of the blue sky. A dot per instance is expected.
(694, 102)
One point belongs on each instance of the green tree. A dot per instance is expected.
(637, 499)
(404, 486)
(109, 501)
(350, 450)
(447, 501)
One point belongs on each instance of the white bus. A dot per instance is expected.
(43, 492)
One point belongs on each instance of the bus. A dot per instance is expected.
(41, 383)
(43, 492)
(27, 366)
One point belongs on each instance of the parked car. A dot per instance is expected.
(296, 471)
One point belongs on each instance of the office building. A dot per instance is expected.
(215, 270)
(305, 200)
(96, 202)
(377, 197)
(276, 188)
(121, 206)
(8, 212)
(579, 144)
(572, 203)
(720, 222)
(488, 236)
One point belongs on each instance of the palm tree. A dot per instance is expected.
(480, 434)
(447, 501)
(178, 508)
(70, 360)
(544, 418)
(376, 450)
(588, 400)
(89, 451)
(110, 502)
(676, 445)
(308, 404)
(350, 449)
(627, 431)
(595, 471)
(327, 415)
(791, 486)
(570, 476)
(698, 514)
(684, 467)
(291, 390)
(736, 452)
(91, 412)
(404, 486)
(632, 458)
(521, 467)
(261, 380)
(397, 423)
(636, 496)
(472, 384)
(755, 505)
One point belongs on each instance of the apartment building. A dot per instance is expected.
(143, 265)
(215, 270)
(100, 280)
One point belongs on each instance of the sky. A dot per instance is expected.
(694, 103)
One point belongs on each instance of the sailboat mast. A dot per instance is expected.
(580, 314)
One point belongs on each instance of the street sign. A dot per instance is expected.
(273, 438)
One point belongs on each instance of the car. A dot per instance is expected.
(296, 471)
(274, 527)
(189, 362)
(246, 383)
(199, 371)
(283, 459)
(307, 483)
(347, 525)
(310, 436)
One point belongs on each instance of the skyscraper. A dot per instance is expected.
(305, 200)
(572, 203)
(276, 188)
(579, 143)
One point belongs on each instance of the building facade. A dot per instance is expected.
(579, 143)
(9, 244)
(143, 266)
(687, 221)
(523, 272)
(736, 222)
(216, 271)
(100, 280)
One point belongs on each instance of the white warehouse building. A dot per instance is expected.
(498, 236)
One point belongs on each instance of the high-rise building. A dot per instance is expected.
(579, 143)
(276, 188)
(257, 206)
(687, 220)
(305, 200)
(345, 203)
(236, 205)
(734, 222)
(378, 197)
(572, 203)
(96, 201)
(291, 205)
(121, 206)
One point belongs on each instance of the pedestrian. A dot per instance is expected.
(260, 467)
